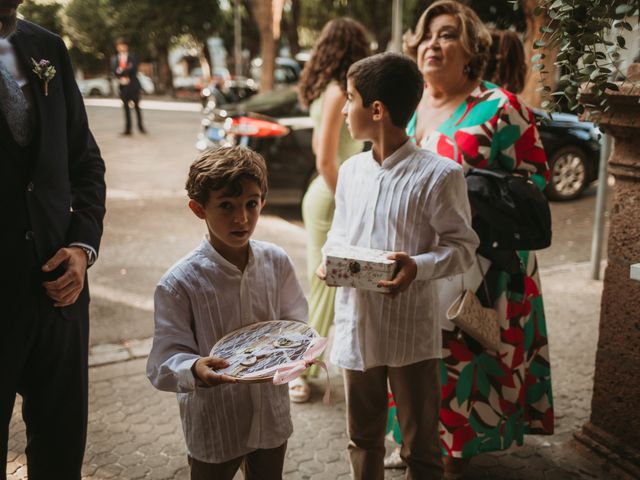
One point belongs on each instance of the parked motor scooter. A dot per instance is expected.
(220, 127)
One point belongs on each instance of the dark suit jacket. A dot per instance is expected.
(54, 189)
(130, 91)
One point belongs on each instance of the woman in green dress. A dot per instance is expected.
(322, 88)
(489, 400)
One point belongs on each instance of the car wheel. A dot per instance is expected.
(95, 92)
(569, 174)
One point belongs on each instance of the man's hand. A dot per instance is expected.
(321, 272)
(203, 369)
(407, 272)
(64, 291)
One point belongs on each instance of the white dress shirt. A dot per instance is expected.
(198, 301)
(415, 202)
(8, 58)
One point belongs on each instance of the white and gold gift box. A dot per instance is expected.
(358, 267)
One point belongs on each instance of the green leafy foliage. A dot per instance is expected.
(583, 30)
(47, 15)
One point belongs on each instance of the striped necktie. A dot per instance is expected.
(14, 107)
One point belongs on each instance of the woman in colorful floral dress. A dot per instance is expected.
(489, 400)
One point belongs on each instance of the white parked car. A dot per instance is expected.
(99, 86)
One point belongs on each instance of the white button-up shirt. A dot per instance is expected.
(10, 61)
(198, 301)
(415, 202)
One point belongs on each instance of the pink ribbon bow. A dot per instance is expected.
(291, 371)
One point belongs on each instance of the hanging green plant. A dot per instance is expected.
(587, 57)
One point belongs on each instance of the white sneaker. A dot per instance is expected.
(393, 460)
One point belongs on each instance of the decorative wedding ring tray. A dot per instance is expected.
(263, 350)
(358, 267)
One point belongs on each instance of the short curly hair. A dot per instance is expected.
(224, 168)
(342, 42)
(476, 39)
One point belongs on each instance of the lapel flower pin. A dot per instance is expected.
(45, 72)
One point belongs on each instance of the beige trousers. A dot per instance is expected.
(416, 390)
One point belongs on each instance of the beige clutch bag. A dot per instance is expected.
(475, 320)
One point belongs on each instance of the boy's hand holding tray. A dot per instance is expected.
(277, 351)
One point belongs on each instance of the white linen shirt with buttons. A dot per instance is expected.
(415, 202)
(198, 301)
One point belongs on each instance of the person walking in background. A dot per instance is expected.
(52, 203)
(322, 87)
(506, 67)
(489, 400)
(124, 66)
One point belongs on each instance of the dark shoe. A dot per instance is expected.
(454, 468)
(142, 130)
(126, 132)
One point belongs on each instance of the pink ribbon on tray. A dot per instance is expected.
(292, 370)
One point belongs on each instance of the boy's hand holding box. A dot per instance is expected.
(358, 267)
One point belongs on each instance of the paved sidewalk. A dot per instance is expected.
(135, 433)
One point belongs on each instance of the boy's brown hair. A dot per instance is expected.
(224, 168)
(392, 79)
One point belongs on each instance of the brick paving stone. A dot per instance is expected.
(325, 456)
(109, 471)
(482, 462)
(558, 474)
(310, 467)
(12, 467)
(157, 461)
(502, 473)
(108, 353)
(136, 472)
(139, 348)
(131, 459)
(475, 474)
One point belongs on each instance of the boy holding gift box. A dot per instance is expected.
(414, 203)
(227, 282)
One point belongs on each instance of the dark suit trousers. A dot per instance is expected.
(416, 390)
(43, 357)
(127, 97)
(262, 464)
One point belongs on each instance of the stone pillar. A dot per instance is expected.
(614, 426)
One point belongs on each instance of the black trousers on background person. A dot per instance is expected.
(127, 99)
(43, 358)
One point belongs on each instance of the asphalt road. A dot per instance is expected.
(148, 226)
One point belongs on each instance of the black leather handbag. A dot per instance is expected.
(510, 211)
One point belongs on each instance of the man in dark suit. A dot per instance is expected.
(125, 67)
(52, 197)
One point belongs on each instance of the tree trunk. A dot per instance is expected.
(381, 24)
(291, 27)
(165, 78)
(263, 14)
(534, 81)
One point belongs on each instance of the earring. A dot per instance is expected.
(466, 70)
